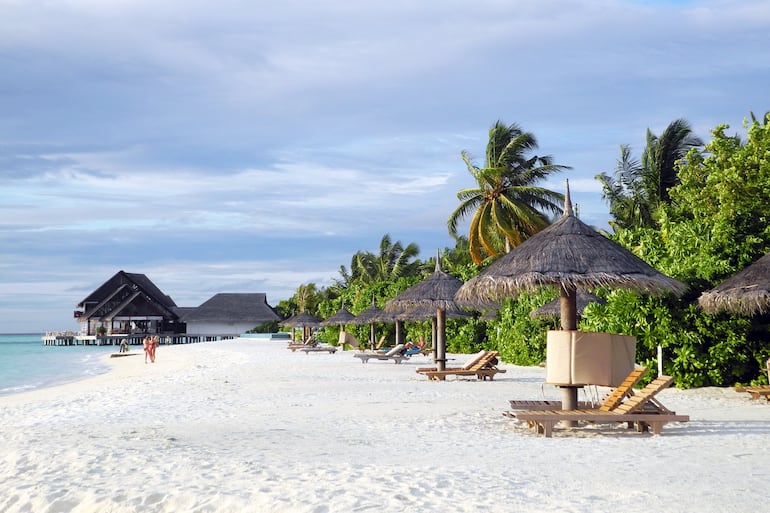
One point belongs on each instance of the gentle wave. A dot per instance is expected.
(26, 364)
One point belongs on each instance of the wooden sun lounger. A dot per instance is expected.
(756, 392)
(293, 346)
(544, 405)
(319, 349)
(631, 410)
(396, 355)
(480, 365)
(611, 401)
(544, 421)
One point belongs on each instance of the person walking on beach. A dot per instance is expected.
(154, 345)
(147, 343)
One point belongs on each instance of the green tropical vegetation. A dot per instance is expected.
(507, 205)
(638, 188)
(696, 212)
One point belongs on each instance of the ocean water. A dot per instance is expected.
(26, 364)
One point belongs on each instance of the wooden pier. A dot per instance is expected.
(134, 339)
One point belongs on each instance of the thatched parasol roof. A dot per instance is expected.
(343, 316)
(300, 320)
(423, 312)
(568, 254)
(370, 315)
(432, 298)
(747, 292)
(553, 308)
(436, 291)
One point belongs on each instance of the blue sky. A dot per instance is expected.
(252, 146)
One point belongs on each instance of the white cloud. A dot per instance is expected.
(189, 131)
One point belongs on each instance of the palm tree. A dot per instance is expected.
(625, 193)
(662, 153)
(393, 262)
(306, 298)
(639, 187)
(507, 207)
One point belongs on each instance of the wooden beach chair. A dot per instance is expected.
(483, 365)
(396, 355)
(760, 391)
(319, 349)
(294, 346)
(639, 409)
(349, 339)
(613, 399)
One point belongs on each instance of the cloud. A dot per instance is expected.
(264, 143)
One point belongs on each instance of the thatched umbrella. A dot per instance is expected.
(436, 293)
(302, 320)
(370, 316)
(552, 308)
(423, 313)
(746, 293)
(568, 254)
(341, 318)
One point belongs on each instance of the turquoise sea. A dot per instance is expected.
(26, 364)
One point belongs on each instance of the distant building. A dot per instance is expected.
(128, 303)
(131, 303)
(229, 313)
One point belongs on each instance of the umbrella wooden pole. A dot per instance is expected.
(399, 335)
(441, 339)
(372, 335)
(434, 339)
(568, 304)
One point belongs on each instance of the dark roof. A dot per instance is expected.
(233, 307)
(133, 280)
(747, 292)
(127, 294)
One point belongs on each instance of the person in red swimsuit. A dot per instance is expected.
(147, 343)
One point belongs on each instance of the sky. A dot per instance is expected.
(253, 146)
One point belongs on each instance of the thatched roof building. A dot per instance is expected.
(229, 313)
(131, 303)
(128, 302)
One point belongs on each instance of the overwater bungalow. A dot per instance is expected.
(128, 303)
(131, 306)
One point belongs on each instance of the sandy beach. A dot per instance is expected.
(247, 425)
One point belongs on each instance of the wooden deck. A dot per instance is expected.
(135, 339)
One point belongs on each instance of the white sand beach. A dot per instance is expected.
(247, 425)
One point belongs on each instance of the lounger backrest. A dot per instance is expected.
(636, 402)
(474, 360)
(621, 391)
(396, 350)
(350, 339)
(485, 360)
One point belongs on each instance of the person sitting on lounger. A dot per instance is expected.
(418, 345)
